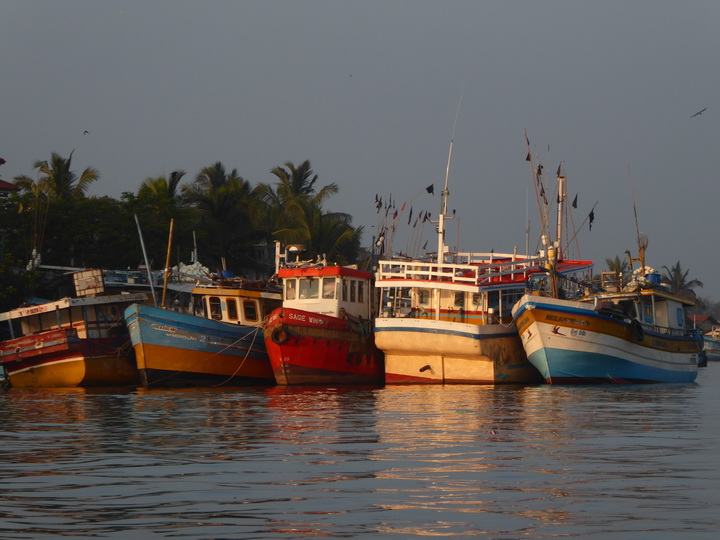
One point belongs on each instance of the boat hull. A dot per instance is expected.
(310, 349)
(570, 343)
(178, 349)
(59, 358)
(425, 351)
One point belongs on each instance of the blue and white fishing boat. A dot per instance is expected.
(220, 342)
(620, 333)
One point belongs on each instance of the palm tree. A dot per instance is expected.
(294, 214)
(227, 205)
(162, 188)
(678, 279)
(617, 265)
(56, 180)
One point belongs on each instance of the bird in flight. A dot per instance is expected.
(86, 132)
(699, 113)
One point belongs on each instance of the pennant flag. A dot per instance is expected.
(542, 194)
(410, 216)
(395, 215)
(592, 218)
(527, 158)
(416, 221)
(574, 203)
(558, 171)
(430, 189)
(425, 244)
(403, 207)
(539, 169)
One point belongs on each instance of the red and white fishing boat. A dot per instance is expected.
(80, 341)
(323, 334)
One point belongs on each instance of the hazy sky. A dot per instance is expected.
(368, 92)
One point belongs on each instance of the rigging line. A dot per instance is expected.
(536, 181)
(255, 334)
(632, 190)
(584, 221)
(205, 359)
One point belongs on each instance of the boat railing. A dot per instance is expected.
(493, 269)
(669, 331)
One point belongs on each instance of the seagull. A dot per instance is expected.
(699, 113)
(86, 132)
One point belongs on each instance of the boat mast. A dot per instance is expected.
(446, 193)
(561, 204)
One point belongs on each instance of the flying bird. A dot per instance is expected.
(86, 132)
(699, 113)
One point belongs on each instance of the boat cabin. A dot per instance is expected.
(90, 317)
(327, 290)
(242, 305)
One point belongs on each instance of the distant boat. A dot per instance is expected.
(622, 333)
(81, 341)
(711, 345)
(219, 343)
(323, 332)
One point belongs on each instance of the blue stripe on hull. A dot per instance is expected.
(485, 332)
(560, 366)
(153, 326)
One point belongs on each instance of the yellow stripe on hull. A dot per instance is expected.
(154, 357)
(79, 371)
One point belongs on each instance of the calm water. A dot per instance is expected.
(399, 461)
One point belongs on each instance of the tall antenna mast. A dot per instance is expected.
(445, 193)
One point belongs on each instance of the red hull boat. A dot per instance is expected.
(323, 334)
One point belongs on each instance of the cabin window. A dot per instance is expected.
(215, 308)
(648, 313)
(459, 299)
(423, 297)
(344, 290)
(352, 290)
(309, 288)
(476, 299)
(290, 289)
(494, 301)
(680, 317)
(509, 299)
(328, 288)
(232, 311)
(361, 292)
(250, 310)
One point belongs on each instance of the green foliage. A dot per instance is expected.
(678, 278)
(17, 285)
(228, 216)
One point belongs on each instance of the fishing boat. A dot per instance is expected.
(447, 318)
(621, 332)
(323, 334)
(78, 341)
(217, 342)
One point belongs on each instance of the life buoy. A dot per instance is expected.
(636, 330)
(279, 336)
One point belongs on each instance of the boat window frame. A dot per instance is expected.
(329, 288)
(290, 287)
(232, 309)
(255, 310)
(309, 287)
(213, 303)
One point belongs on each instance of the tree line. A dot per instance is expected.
(217, 210)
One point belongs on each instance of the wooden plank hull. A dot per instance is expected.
(310, 349)
(423, 351)
(178, 349)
